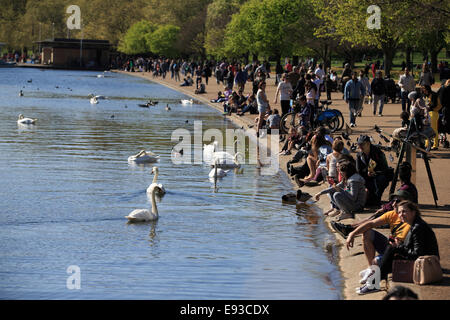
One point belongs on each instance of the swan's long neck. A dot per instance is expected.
(154, 207)
(155, 177)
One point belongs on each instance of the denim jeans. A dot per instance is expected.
(405, 101)
(353, 106)
(342, 201)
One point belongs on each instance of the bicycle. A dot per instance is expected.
(331, 118)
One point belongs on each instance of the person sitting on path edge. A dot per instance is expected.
(373, 241)
(372, 165)
(348, 196)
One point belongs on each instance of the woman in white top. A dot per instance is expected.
(284, 90)
(310, 93)
(263, 104)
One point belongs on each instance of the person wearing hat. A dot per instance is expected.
(372, 165)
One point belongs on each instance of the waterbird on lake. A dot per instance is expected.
(186, 102)
(292, 198)
(93, 100)
(20, 93)
(30, 81)
(160, 191)
(23, 120)
(143, 215)
(217, 172)
(144, 157)
(167, 107)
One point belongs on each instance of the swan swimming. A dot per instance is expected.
(160, 191)
(144, 157)
(217, 172)
(143, 215)
(185, 102)
(225, 160)
(23, 120)
(209, 149)
(93, 100)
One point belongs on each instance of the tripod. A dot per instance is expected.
(407, 142)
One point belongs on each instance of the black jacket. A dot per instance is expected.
(378, 86)
(420, 241)
(377, 155)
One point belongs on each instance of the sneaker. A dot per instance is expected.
(365, 290)
(345, 215)
(311, 183)
(368, 272)
(352, 125)
(342, 229)
(380, 115)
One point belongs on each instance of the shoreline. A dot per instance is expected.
(350, 262)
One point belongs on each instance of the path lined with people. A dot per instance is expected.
(353, 260)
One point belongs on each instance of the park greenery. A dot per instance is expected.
(238, 29)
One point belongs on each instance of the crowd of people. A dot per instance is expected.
(352, 183)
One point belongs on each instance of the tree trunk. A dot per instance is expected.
(388, 56)
(408, 57)
(434, 59)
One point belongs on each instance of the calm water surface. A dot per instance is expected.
(66, 186)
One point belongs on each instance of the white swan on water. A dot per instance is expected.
(143, 215)
(160, 191)
(208, 151)
(144, 157)
(225, 160)
(186, 102)
(23, 120)
(217, 172)
(93, 100)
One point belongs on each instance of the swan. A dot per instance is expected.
(100, 76)
(185, 102)
(144, 157)
(93, 100)
(143, 215)
(155, 186)
(225, 160)
(208, 150)
(217, 172)
(23, 120)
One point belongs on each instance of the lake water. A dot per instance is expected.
(66, 186)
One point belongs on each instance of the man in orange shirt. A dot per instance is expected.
(376, 242)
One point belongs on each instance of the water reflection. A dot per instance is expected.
(237, 243)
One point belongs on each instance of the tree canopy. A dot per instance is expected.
(236, 28)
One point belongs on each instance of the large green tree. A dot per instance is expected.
(163, 40)
(265, 27)
(135, 39)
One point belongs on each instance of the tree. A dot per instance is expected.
(347, 20)
(162, 41)
(265, 27)
(135, 40)
(218, 15)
